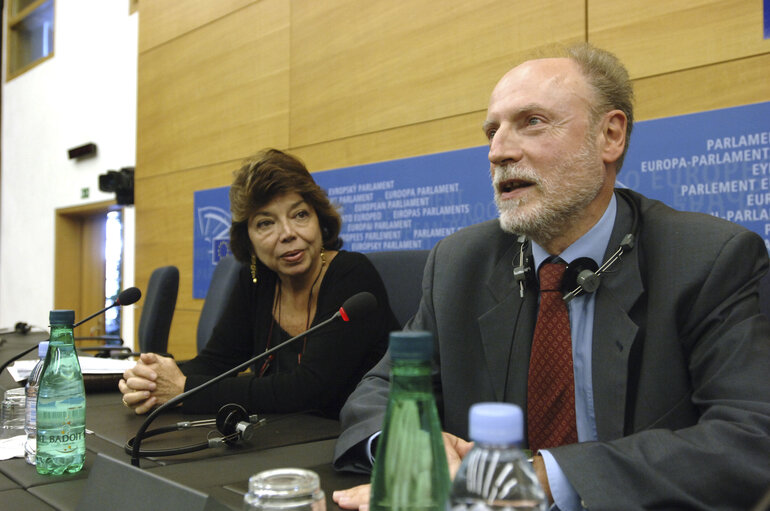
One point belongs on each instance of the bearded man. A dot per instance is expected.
(666, 399)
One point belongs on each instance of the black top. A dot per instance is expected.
(334, 358)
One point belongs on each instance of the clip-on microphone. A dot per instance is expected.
(522, 271)
(127, 297)
(355, 306)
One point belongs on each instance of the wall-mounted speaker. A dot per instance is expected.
(82, 151)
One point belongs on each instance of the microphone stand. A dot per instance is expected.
(130, 296)
(114, 304)
(177, 399)
(126, 297)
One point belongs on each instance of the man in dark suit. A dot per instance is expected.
(670, 354)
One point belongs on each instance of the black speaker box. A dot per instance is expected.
(82, 151)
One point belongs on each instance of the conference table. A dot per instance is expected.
(212, 479)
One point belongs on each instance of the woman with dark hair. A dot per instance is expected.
(287, 232)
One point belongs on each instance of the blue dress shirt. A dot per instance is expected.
(593, 244)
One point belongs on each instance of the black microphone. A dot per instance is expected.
(127, 297)
(522, 272)
(358, 305)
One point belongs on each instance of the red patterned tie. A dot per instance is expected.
(551, 381)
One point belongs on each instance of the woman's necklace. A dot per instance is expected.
(276, 316)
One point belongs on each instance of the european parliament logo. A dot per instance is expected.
(211, 235)
(214, 227)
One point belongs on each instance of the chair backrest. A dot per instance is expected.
(222, 283)
(158, 309)
(401, 271)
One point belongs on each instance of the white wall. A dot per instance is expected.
(85, 93)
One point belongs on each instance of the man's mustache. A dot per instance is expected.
(514, 171)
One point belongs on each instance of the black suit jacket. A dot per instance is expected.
(680, 359)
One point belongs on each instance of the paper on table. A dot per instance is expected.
(89, 365)
(12, 447)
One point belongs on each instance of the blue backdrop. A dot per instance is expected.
(715, 162)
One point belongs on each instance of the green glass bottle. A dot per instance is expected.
(61, 402)
(410, 467)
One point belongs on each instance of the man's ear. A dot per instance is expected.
(613, 136)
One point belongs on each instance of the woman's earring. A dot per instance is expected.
(323, 256)
(253, 268)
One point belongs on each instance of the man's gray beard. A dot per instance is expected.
(562, 199)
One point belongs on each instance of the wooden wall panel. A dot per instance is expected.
(364, 66)
(349, 82)
(165, 223)
(181, 338)
(216, 93)
(733, 83)
(429, 137)
(660, 36)
(163, 20)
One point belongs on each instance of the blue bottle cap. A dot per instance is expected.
(61, 317)
(42, 349)
(496, 423)
(417, 345)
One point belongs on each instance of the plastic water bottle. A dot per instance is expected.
(495, 474)
(61, 402)
(410, 466)
(30, 420)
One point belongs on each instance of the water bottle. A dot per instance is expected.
(12, 413)
(410, 465)
(30, 390)
(61, 402)
(495, 474)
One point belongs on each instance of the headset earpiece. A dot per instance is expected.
(228, 419)
(232, 421)
(580, 272)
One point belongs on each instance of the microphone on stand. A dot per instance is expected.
(354, 307)
(127, 297)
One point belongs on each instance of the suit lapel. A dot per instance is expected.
(500, 328)
(614, 331)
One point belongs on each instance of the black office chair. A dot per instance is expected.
(222, 283)
(401, 271)
(158, 304)
(158, 310)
